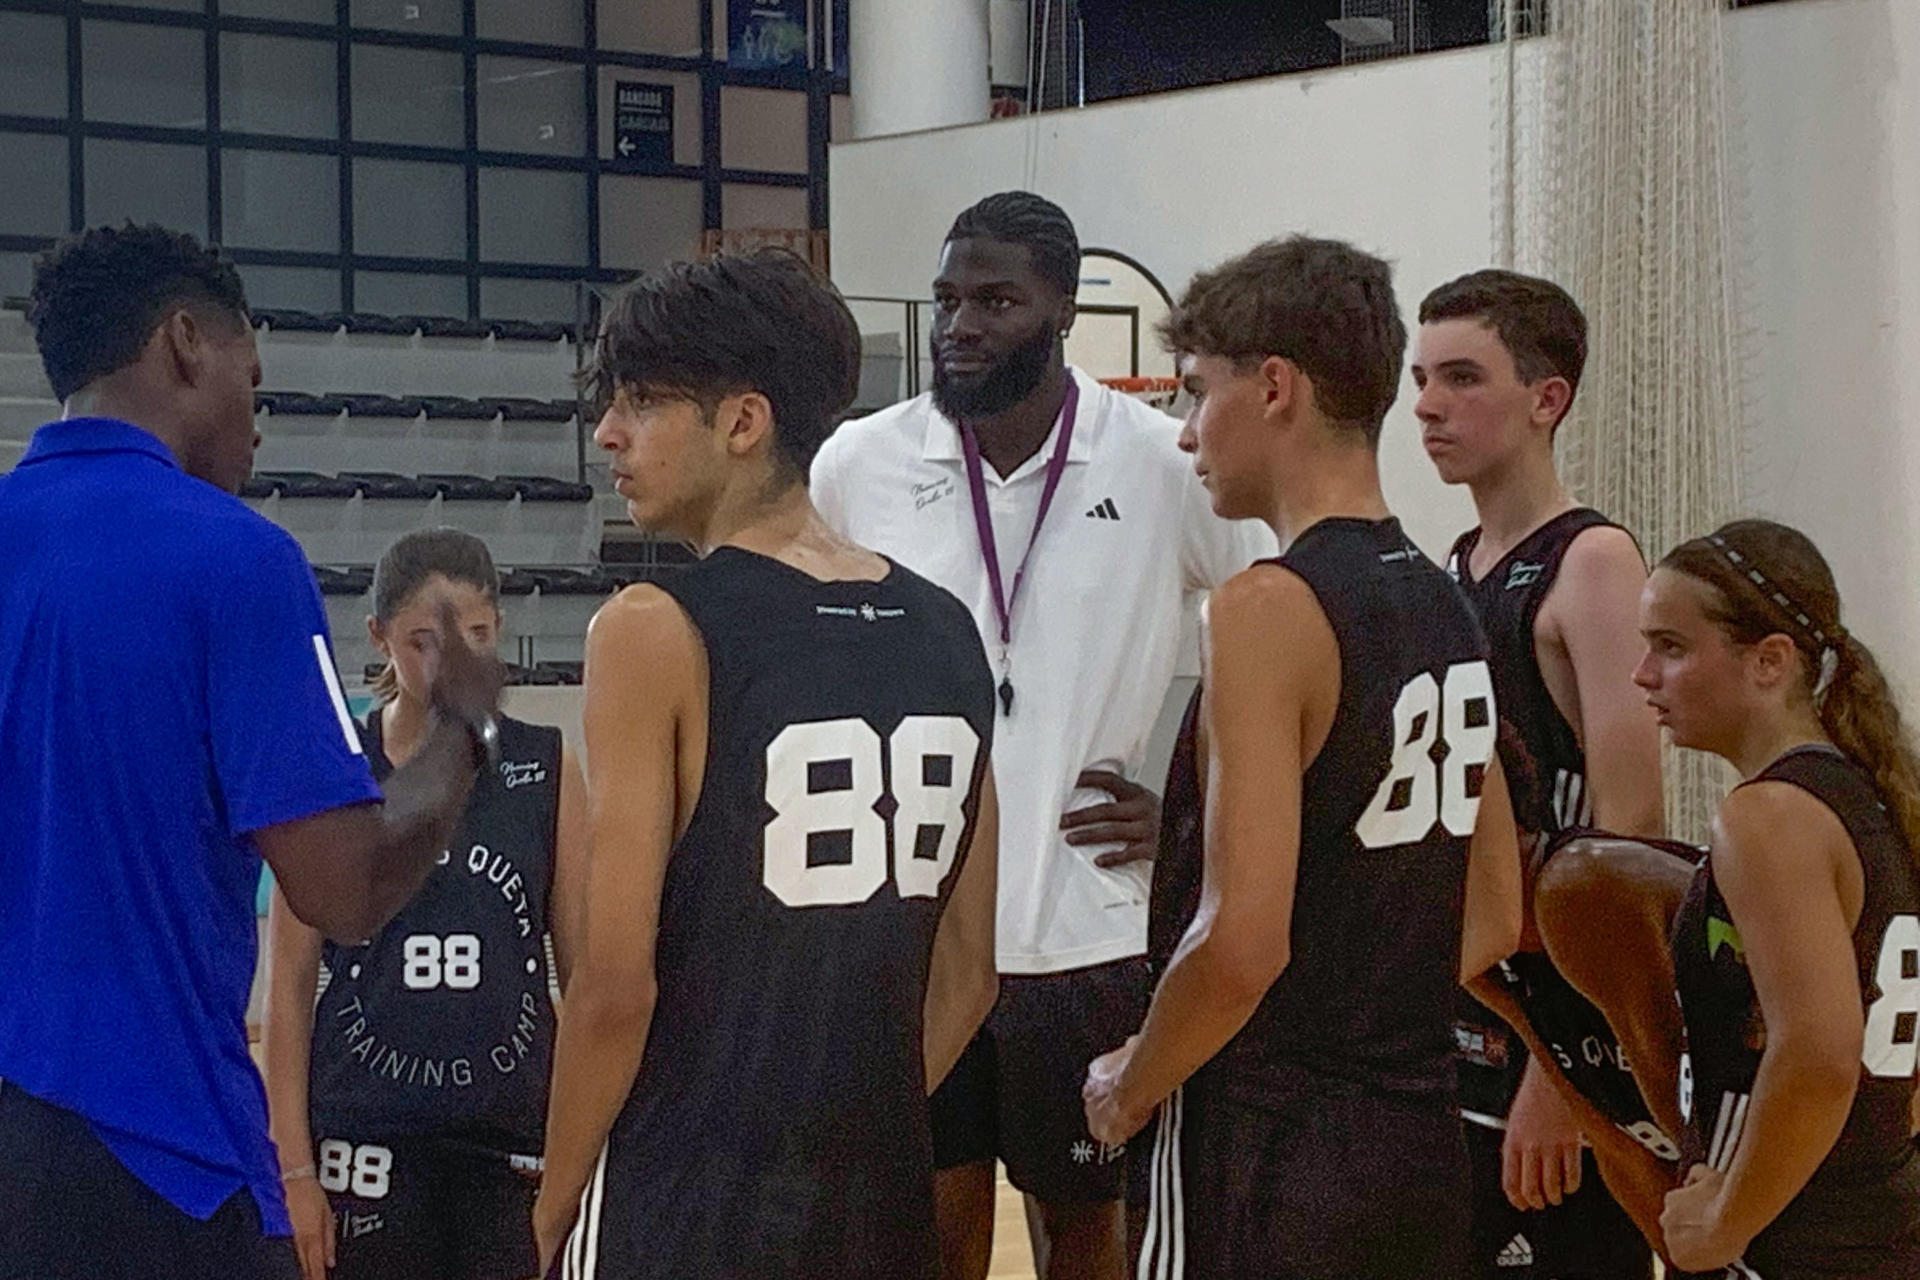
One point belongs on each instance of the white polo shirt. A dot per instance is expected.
(1097, 627)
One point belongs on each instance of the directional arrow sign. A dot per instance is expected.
(643, 122)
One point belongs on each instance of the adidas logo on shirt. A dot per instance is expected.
(1518, 1253)
(1104, 511)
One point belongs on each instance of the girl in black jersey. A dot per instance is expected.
(1797, 950)
(408, 1104)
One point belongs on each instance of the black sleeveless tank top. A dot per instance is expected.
(1507, 600)
(778, 1125)
(1859, 1216)
(442, 1024)
(1389, 807)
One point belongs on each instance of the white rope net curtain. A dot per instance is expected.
(1610, 178)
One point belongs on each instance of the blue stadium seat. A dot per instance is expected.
(375, 406)
(457, 407)
(526, 409)
(464, 488)
(378, 485)
(299, 402)
(573, 582)
(547, 489)
(530, 330)
(367, 322)
(288, 320)
(451, 327)
(352, 580)
(304, 484)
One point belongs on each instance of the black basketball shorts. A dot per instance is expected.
(425, 1207)
(1587, 1236)
(1331, 1183)
(1015, 1093)
(69, 1210)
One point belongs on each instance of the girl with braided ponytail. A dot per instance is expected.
(1797, 949)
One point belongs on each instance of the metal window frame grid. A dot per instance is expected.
(817, 82)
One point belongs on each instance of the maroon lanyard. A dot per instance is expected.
(1003, 599)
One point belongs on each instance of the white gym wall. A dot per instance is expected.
(1825, 96)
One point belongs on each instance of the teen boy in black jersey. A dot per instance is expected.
(1798, 947)
(790, 907)
(1556, 586)
(1299, 1042)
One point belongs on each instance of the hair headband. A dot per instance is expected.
(1826, 644)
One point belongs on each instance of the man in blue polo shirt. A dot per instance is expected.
(169, 715)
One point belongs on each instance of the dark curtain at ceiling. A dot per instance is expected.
(1143, 46)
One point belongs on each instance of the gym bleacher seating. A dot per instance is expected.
(456, 408)
(531, 331)
(284, 320)
(288, 321)
(451, 327)
(377, 485)
(383, 406)
(298, 402)
(298, 484)
(573, 582)
(463, 488)
(377, 425)
(351, 580)
(548, 489)
(552, 580)
(525, 409)
(408, 421)
(517, 582)
(539, 673)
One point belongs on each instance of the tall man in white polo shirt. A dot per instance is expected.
(1049, 504)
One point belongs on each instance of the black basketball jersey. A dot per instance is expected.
(1388, 807)
(442, 1024)
(1178, 866)
(1859, 1216)
(778, 1125)
(1584, 1046)
(1507, 600)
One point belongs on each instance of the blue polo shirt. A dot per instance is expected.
(166, 688)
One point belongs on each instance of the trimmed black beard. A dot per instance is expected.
(997, 388)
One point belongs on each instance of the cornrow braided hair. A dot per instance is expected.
(1023, 218)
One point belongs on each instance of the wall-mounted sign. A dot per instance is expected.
(767, 33)
(643, 122)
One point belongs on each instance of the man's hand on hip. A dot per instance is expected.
(1131, 819)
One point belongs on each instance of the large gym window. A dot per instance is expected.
(409, 156)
